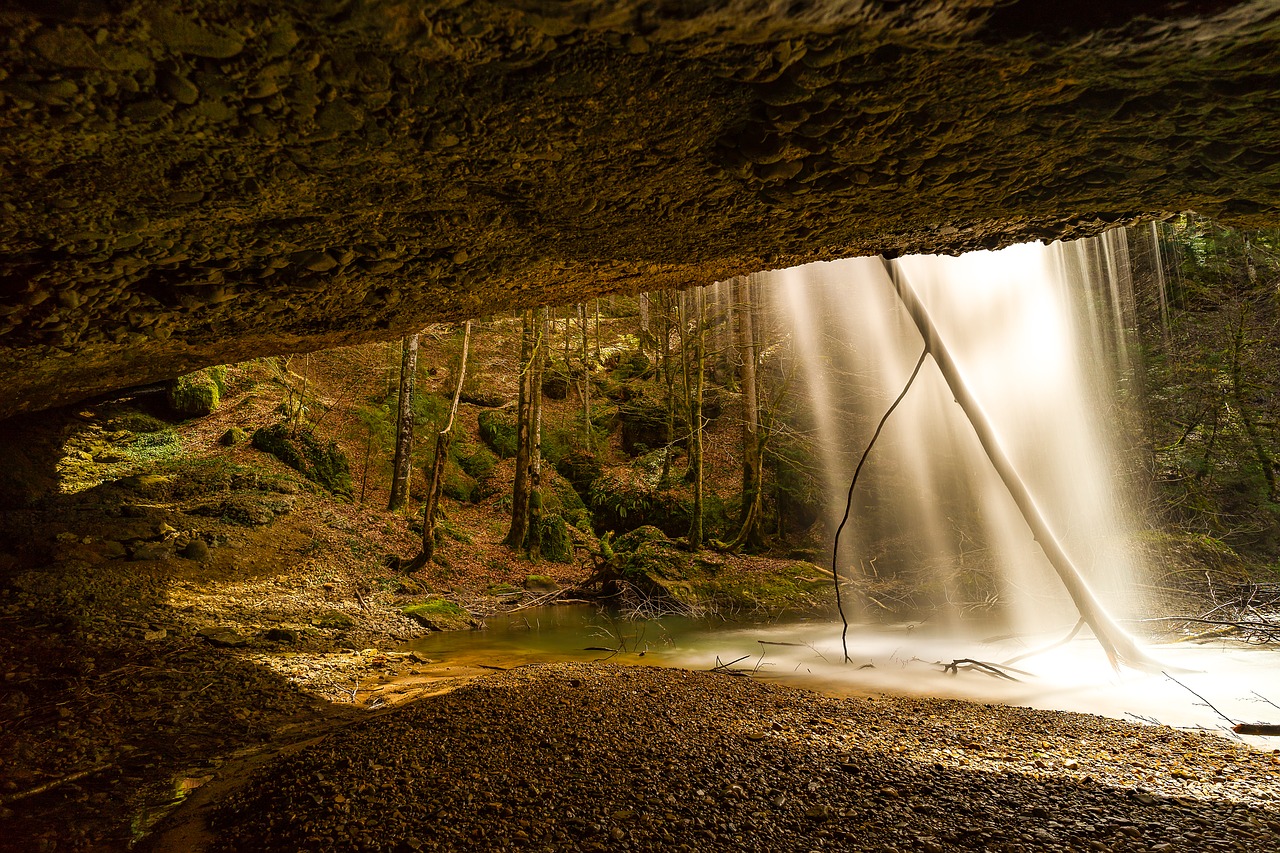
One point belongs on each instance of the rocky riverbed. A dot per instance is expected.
(602, 757)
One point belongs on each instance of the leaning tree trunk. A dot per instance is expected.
(444, 441)
(1119, 646)
(752, 461)
(520, 490)
(404, 425)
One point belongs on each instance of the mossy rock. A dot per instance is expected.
(498, 430)
(334, 619)
(458, 485)
(301, 450)
(233, 436)
(196, 394)
(632, 540)
(540, 583)
(439, 614)
(478, 464)
(581, 469)
(644, 426)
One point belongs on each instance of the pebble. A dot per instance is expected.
(585, 767)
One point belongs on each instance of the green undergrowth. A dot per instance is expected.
(303, 451)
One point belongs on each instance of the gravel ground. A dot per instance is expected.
(600, 757)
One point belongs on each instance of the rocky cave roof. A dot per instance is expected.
(191, 182)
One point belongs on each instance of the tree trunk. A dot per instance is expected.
(585, 386)
(664, 304)
(696, 531)
(1260, 453)
(1118, 645)
(520, 491)
(752, 495)
(642, 302)
(444, 441)
(533, 539)
(400, 464)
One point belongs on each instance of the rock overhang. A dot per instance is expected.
(188, 183)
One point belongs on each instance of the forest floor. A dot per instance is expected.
(173, 609)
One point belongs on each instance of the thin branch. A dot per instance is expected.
(1207, 703)
(848, 504)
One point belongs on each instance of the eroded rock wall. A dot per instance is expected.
(188, 182)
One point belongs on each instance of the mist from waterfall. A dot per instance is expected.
(1041, 335)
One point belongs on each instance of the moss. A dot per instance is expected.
(439, 614)
(479, 464)
(302, 450)
(196, 394)
(540, 583)
(457, 483)
(498, 430)
(233, 436)
(138, 422)
(335, 619)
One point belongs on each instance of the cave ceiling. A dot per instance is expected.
(185, 183)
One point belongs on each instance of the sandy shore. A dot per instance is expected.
(601, 757)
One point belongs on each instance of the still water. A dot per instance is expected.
(1242, 683)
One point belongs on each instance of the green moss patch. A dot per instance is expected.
(301, 450)
(439, 614)
(196, 394)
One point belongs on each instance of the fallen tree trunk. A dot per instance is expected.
(1119, 646)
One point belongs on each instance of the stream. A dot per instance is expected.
(1199, 685)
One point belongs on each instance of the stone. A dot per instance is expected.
(183, 35)
(223, 637)
(179, 88)
(161, 550)
(285, 636)
(196, 550)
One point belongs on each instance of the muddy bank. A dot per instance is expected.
(595, 757)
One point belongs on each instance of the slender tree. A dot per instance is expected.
(444, 442)
(400, 465)
(520, 491)
(751, 532)
(698, 369)
(664, 305)
(585, 386)
(533, 538)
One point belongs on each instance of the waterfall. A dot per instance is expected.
(1041, 337)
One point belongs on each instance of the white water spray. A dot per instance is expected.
(1031, 343)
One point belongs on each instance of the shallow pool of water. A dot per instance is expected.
(1240, 683)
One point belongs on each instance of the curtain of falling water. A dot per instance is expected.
(1041, 334)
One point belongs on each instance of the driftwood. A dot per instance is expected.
(982, 666)
(53, 783)
(1263, 729)
(1119, 646)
